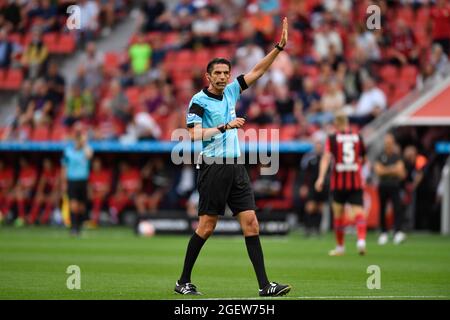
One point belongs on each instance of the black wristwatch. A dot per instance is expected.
(221, 128)
(279, 47)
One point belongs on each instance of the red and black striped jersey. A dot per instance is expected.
(348, 150)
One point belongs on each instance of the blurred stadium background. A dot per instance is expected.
(129, 72)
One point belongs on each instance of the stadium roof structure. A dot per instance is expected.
(435, 112)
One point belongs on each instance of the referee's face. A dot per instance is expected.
(218, 78)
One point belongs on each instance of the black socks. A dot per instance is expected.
(256, 256)
(193, 249)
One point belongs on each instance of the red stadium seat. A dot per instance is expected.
(400, 91)
(389, 73)
(58, 133)
(408, 74)
(133, 94)
(13, 80)
(289, 132)
(51, 41)
(111, 62)
(40, 133)
(66, 43)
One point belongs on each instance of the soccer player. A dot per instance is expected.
(212, 119)
(99, 187)
(46, 192)
(6, 189)
(74, 175)
(347, 149)
(314, 200)
(24, 189)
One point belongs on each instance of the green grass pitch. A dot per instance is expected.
(117, 265)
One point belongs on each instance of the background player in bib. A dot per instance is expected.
(348, 151)
(212, 118)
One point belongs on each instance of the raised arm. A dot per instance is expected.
(267, 61)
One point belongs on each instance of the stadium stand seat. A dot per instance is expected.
(11, 79)
(389, 73)
(59, 133)
(40, 133)
(289, 132)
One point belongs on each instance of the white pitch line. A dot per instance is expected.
(330, 297)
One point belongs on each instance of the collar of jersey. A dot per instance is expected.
(212, 95)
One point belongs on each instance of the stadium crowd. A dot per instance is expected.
(332, 62)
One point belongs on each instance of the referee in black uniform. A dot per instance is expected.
(75, 175)
(212, 118)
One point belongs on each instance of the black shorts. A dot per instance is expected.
(77, 190)
(221, 184)
(354, 197)
(315, 196)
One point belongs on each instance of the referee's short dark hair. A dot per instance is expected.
(215, 61)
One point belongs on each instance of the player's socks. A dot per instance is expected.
(256, 256)
(361, 226)
(339, 230)
(193, 249)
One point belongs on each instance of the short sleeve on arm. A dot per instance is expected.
(195, 114)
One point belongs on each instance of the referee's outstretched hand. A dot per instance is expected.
(236, 123)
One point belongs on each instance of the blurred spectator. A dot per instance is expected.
(205, 29)
(47, 193)
(35, 55)
(156, 183)
(367, 45)
(41, 109)
(440, 21)
(117, 102)
(309, 97)
(262, 24)
(89, 24)
(140, 53)
(79, 105)
(262, 110)
(439, 59)
(371, 103)
(12, 15)
(333, 98)
(109, 12)
(403, 45)
(107, 126)
(90, 67)
(288, 109)
(22, 103)
(56, 83)
(143, 127)
(246, 55)
(154, 16)
(324, 38)
(100, 180)
(45, 15)
(128, 186)
(23, 190)
(6, 189)
(182, 15)
(6, 50)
